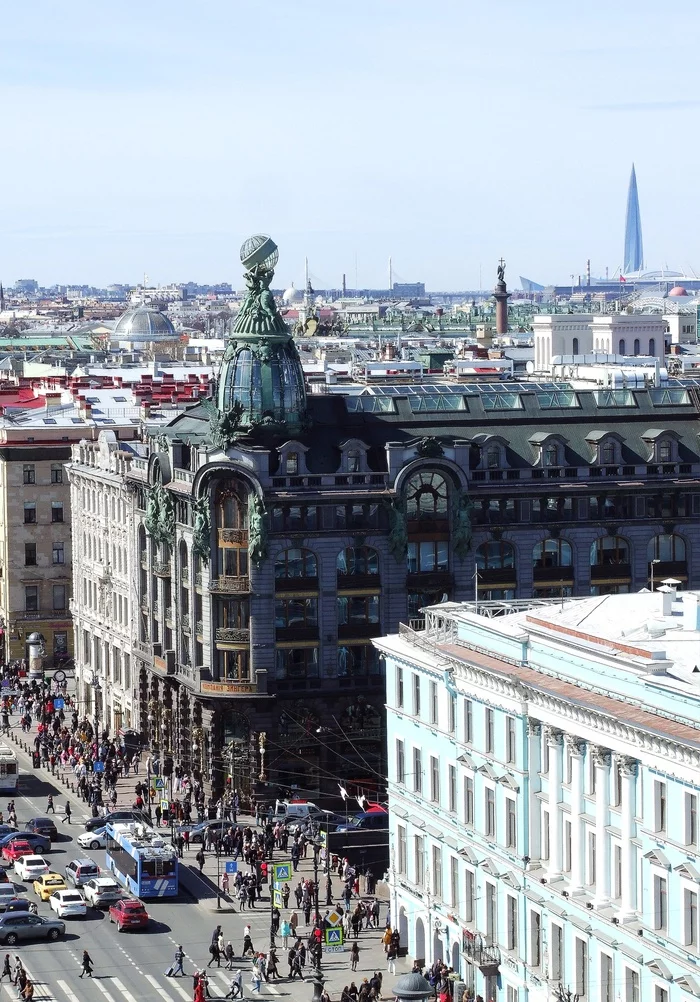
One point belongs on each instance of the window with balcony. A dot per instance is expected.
(291, 464)
(295, 518)
(358, 614)
(296, 613)
(667, 548)
(552, 553)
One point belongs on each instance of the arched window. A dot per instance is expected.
(667, 548)
(493, 458)
(232, 524)
(636, 346)
(231, 509)
(354, 461)
(357, 560)
(609, 551)
(652, 346)
(574, 346)
(607, 453)
(495, 555)
(621, 348)
(551, 455)
(552, 553)
(664, 451)
(295, 563)
(426, 496)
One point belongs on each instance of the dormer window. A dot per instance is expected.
(292, 464)
(493, 458)
(607, 454)
(551, 455)
(665, 451)
(354, 461)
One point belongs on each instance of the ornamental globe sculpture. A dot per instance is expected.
(259, 251)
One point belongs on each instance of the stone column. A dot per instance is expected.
(629, 852)
(554, 739)
(576, 749)
(534, 758)
(601, 759)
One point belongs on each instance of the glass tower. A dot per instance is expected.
(634, 254)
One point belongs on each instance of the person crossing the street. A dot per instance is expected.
(87, 964)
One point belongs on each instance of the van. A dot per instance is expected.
(296, 810)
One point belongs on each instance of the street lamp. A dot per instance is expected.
(97, 689)
(653, 562)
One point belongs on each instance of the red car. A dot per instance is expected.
(19, 847)
(128, 914)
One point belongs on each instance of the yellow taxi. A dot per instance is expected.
(47, 884)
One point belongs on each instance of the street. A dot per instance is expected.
(131, 965)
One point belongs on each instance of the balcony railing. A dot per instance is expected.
(607, 572)
(486, 956)
(347, 582)
(161, 569)
(230, 584)
(233, 536)
(346, 631)
(296, 584)
(200, 627)
(185, 623)
(231, 635)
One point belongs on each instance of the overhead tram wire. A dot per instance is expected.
(349, 740)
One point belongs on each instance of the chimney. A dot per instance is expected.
(53, 400)
(691, 612)
(145, 410)
(667, 597)
(84, 409)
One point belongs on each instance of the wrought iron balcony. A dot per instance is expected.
(230, 584)
(232, 635)
(486, 956)
(161, 569)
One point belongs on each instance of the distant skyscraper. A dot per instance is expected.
(634, 253)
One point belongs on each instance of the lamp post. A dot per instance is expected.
(97, 690)
(652, 564)
(412, 988)
(317, 978)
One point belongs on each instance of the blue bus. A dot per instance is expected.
(141, 860)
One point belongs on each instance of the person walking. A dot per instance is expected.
(87, 964)
(236, 989)
(255, 978)
(49, 805)
(200, 859)
(178, 968)
(391, 958)
(354, 956)
(66, 813)
(6, 968)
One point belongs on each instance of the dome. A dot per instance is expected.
(264, 383)
(144, 323)
(292, 295)
(678, 290)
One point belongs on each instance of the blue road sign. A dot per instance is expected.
(231, 866)
(58, 703)
(98, 767)
(282, 871)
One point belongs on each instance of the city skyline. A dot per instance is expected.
(436, 137)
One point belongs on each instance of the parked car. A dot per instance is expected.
(31, 867)
(47, 883)
(16, 849)
(39, 843)
(92, 840)
(128, 913)
(7, 830)
(19, 926)
(127, 815)
(367, 820)
(79, 871)
(100, 892)
(42, 826)
(68, 903)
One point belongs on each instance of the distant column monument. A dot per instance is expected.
(501, 295)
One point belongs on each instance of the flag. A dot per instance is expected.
(343, 792)
(622, 278)
(361, 800)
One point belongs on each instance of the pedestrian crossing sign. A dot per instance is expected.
(334, 936)
(277, 899)
(282, 871)
(160, 784)
(164, 805)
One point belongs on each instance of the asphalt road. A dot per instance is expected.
(131, 965)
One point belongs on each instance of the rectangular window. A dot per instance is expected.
(631, 985)
(591, 862)
(418, 860)
(470, 896)
(491, 913)
(451, 713)
(417, 771)
(56, 473)
(468, 720)
(57, 511)
(59, 597)
(606, 978)
(511, 824)
(691, 819)
(490, 813)
(660, 994)
(435, 779)
(416, 695)
(58, 553)
(488, 729)
(30, 554)
(437, 871)
(535, 938)
(617, 871)
(512, 994)
(433, 703)
(29, 512)
(581, 974)
(660, 904)
(690, 918)
(399, 686)
(400, 762)
(401, 838)
(545, 834)
(451, 789)
(468, 800)
(31, 598)
(510, 739)
(454, 882)
(557, 952)
(28, 474)
(511, 922)
(659, 806)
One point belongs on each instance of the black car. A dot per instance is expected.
(115, 817)
(42, 826)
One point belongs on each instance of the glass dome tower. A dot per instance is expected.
(261, 381)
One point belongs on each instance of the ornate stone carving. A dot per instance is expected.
(534, 727)
(257, 529)
(160, 515)
(628, 766)
(574, 744)
(398, 533)
(553, 736)
(601, 756)
(462, 524)
(430, 448)
(224, 427)
(202, 527)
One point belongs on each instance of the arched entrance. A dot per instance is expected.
(420, 941)
(438, 950)
(455, 957)
(403, 927)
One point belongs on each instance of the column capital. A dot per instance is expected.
(534, 727)
(574, 744)
(601, 756)
(553, 736)
(628, 766)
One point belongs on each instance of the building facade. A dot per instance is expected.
(544, 786)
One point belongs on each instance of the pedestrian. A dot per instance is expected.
(391, 958)
(179, 957)
(248, 950)
(87, 964)
(28, 991)
(354, 956)
(66, 813)
(200, 859)
(225, 883)
(285, 932)
(6, 969)
(229, 955)
(272, 964)
(293, 923)
(236, 989)
(49, 805)
(255, 978)
(215, 955)
(18, 968)
(199, 995)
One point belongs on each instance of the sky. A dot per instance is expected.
(153, 137)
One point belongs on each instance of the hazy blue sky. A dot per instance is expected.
(155, 136)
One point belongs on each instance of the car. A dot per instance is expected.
(7, 891)
(100, 892)
(42, 826)
(17, 848)
(18, 926)
(39, 843)
(367, 821)
(47, 883)
(116, 816)
(7, 830)
(128, 913)
(68, 903)
(31, 867)
(92, 840)
(79, 871)
(17, 904)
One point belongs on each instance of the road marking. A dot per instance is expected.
(173, 983)
(104, 991)
(275, 991)
(127, 994)
(161, 991)
(69, 992)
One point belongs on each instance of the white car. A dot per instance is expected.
(31, 867)
(92, 840)
(68, 903)
(101, 892)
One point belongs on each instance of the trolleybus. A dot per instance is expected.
(9, 772)
(141, 860)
